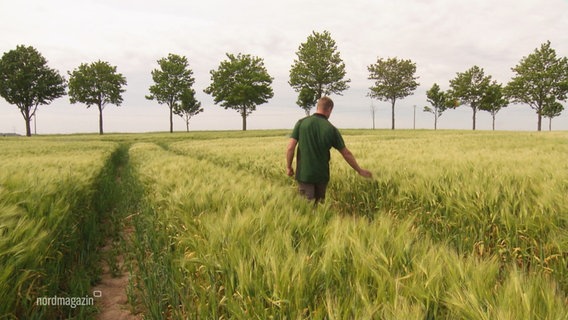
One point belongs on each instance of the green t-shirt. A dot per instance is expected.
(315, 135)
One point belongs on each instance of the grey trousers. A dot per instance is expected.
(312, 191)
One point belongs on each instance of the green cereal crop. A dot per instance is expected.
(453, 225)
(45, 219)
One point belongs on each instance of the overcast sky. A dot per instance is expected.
(442, 37)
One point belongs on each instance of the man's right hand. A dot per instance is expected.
(365, 173)
(350, 158)
(290, 172)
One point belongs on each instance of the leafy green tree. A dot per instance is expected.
(394, 79)
(552, 109)
(188, 106)
(96, 84)
(440, 102)
(539, 78)
(27, 82)
(470, 88)
(494, 100)
(241, 83)
(307, 99)
(318, 68)
(172, 80)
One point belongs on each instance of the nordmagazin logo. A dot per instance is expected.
(72, 302)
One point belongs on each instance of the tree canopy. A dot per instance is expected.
(539, 78)
(318, 70)
(394, 79)
(469, 88)
(27, 82)
(241, 83)
(96, 84)
(172, 80)
(552, 109)
(307, 99)
(188, 106)
(440, 102)
(493, 101)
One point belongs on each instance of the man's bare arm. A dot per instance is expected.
(290, 150)
(350, 158)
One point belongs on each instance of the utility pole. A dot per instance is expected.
(414, 122)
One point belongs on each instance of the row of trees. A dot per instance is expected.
(541, 81)
(241, 82)
(27, 82)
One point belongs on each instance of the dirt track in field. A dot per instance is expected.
(113, 303)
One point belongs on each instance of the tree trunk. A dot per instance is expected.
(27, 118)
(393, 101)
(539, 126)
(435, 119)
(493, 122)
(187, 125)
(171, 118)
(100, 120)
(550, 124)
(244, 115)
(474, 113)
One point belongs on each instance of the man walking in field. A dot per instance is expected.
(315, 136)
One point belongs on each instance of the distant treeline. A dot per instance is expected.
(241, 82)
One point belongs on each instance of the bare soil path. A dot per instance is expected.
(113, 303)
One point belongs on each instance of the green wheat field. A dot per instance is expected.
(454, 225)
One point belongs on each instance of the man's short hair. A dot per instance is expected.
(325, 103)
